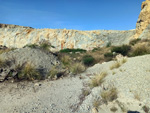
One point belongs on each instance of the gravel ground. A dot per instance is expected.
(41, 97)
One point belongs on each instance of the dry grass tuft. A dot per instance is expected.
(115, 65)
(77, 68)
(29, 73)
(113, 109)
(140, 49)
(97, 103)
(137, 96)
(98, 80)
(109, 95)
(66, 60)
(53, 72)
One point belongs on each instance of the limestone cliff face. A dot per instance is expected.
(62, 38)
(144, 18)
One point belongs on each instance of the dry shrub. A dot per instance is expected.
(66, 60)
(77, 68)
(53, 72)
(98, 79)
(115, 65)
(97, 103)
(28, 72)
(109, 95)
(140, 49)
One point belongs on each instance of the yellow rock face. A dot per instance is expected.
(144, 18)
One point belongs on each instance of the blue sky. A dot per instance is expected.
(71, 14)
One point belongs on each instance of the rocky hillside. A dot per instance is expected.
(18, 36)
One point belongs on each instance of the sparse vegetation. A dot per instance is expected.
(109, 95)
(66, 60)
(53, 72)
(123, 60)
(86, 92)
(124, 49)
(115, 65)
(88, 60)
(77, 68)
(137, 96)
(140, 49)
(146, 109)
(113, 109)
(134, 41)
(108, 44)
(45, 45)
(32, 46)
(113, 72)
(96, 49)
(72, 50)
(98, 79)
(28, 72)
(109, 54)
(97, 103)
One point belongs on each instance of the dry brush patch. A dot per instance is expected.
(118, 63)
(98, 79)
(109, 95)
(77, 68)
(28, 72)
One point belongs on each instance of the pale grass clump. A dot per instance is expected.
(109, 95)
(77, 68)
(140, 49)
(137, 96)
(115, 65)
(118, 63)
(29, 73)
(66, 60)
(97, 103)
(53, 72)
(123, 60)
(98, 79)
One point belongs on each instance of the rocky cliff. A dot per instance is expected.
(62, 38)
(144, 19)
(19, 36)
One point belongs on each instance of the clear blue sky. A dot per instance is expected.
(71, 14)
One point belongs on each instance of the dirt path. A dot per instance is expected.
(42, 97)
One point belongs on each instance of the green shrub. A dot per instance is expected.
(32, 46)
(96, 49)
(88, 60)
(109, 54)
(72, 50)
(108, 44)
(45, 45)
(134, 41)
(124, 49)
